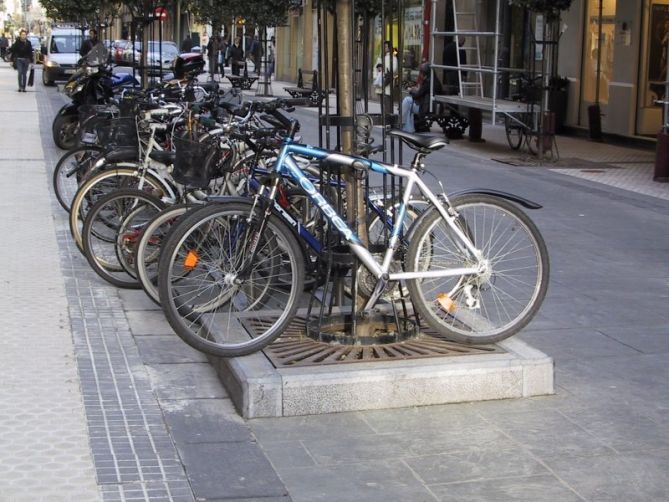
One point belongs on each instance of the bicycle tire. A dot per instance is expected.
(208, 304)
(115, 178)
(147, 251)
(514, 133)
(70, 170)
(123, 208)
(490, 306)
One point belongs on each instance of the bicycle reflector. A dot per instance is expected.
(445, 302)
(191, 260)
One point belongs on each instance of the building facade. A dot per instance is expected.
(632, 59)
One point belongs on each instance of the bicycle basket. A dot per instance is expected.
(118, 132)
(195, 162)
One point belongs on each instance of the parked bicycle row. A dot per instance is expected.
(223, 217)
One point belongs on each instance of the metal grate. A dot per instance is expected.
(294, 348)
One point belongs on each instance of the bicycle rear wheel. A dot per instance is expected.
(111, 231)
(492, 305)
(218, 297)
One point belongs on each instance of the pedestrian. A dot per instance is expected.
(271, 48)
(377, 83)
(236, 55)
(256, 53)
(4, 44)
(417, 104)
(89, 43)
(187, 44)
(391, 73)
(222, 51)
(22, 57)
(213, 53)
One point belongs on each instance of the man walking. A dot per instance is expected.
(23, 56)
(236, 55)
(4, 44)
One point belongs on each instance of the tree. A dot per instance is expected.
(83, 12)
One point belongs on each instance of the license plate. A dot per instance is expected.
(69, 72)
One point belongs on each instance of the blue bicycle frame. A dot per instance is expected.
(287, 166)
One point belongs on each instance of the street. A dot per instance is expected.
(148, 419)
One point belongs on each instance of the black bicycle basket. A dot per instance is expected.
(196, 163)
(118, 132)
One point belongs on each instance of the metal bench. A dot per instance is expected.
(312, 90)
(241, 82)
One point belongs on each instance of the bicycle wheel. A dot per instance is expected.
(71, 169)
(492, 305)
(106, 182)
(216, 296)
(147, 251)
(514, 132)
(111, 231)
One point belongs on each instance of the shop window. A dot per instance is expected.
(592, 49)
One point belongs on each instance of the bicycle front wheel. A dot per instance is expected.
(495, 303)
(514, 132)
(218, 297)
(150, 242)
(111, 232)
(71, 169)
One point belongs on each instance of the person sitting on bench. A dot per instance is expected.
(418, 101)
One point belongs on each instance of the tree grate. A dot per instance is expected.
(294, 348)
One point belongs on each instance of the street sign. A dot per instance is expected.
(160, 13)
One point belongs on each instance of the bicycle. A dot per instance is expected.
(231, 274)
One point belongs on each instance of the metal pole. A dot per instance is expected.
(665, 126)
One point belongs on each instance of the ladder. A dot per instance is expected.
(465, 22)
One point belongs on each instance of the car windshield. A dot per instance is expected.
(65, 44)
(34, 41)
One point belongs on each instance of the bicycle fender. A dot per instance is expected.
(486, 191)
(526, 203)
(69, 109)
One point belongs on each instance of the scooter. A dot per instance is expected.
(93, 83)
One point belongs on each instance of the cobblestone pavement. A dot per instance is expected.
(104, 402)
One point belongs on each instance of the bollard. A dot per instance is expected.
(662, 158)
(475, 125)
(595, 122)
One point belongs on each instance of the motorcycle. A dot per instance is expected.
(93, 83)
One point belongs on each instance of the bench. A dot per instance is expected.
(241, 82)
(312, 90)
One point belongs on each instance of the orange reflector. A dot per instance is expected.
(191, 260)
(445, 302)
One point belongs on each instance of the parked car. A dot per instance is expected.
(36, 42)
(154, 57)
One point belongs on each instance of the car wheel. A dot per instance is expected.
(45, 80)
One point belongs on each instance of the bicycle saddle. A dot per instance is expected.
(164, 157)
(420, 141)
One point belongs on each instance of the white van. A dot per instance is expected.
(61, 55)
